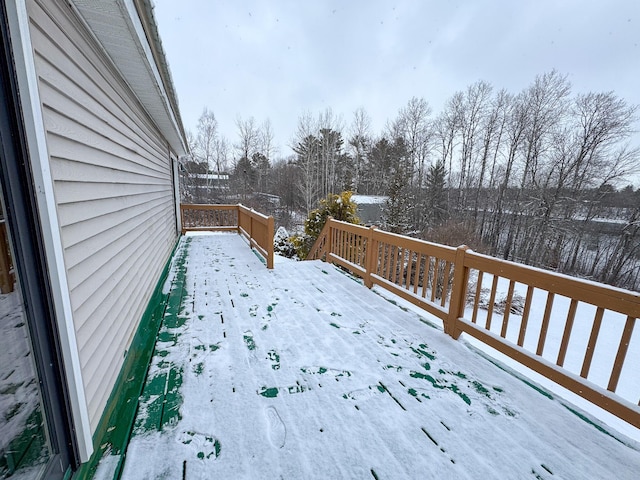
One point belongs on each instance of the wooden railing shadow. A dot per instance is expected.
(7, 274)
(256, 228)
(449, 283)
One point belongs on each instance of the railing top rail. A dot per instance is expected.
(601, 295)
(253, 213)
(206, 206)
(417, 245)
(349, 227)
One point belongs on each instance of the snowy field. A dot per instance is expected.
(300, 372)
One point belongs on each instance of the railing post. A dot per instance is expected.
(329, 241)
(251, 226)
(370, 257)
(457, 302)
(238, 217)
(270, 235)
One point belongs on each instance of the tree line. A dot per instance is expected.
(536, 176)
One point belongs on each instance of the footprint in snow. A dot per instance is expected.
(277, 432)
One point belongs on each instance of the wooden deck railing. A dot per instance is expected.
(533, 321)
(258, 229)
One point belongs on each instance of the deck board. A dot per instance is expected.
(302, 372)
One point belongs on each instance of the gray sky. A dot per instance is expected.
(277, 59)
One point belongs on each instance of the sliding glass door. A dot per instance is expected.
(25, 448)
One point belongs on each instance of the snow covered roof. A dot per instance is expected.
(368, 199)
(212, 176)
(300, 372)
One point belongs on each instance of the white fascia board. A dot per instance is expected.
(144, 42)
(125, 43)
(46, 204)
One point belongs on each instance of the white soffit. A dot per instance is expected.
(117, 26)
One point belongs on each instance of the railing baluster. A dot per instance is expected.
(567, 332)
(445, 283)
(525, 316)
(545, 323)
(345, 245)
(355, 246)
(388, 262)
(476, 299)
(425, 276)
(416, 272)
(402, 269)
(394, 267)
(409, 270)
(492, 301)
(622, 353)
(434, 280)
(378, 255)
(591, 346)
(507, 309)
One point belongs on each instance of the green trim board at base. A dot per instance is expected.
(112, 435)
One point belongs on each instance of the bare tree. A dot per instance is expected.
(445, 134)
(306, 147)
(413, 125)
(330, 128)
(470, 116)
(266, 143)
(206, 137)
(359, 142)
(249, 137)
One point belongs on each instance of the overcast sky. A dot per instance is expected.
(277, 59)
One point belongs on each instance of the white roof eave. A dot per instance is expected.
(117, 26)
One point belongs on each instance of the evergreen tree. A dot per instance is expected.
(397, 208)
(340, 207)
(436, 211)
(244, 178)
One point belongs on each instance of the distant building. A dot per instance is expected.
(369, 208)
(212, 180)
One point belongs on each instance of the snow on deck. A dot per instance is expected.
(301, 372)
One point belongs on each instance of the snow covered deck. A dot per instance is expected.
(301, 372)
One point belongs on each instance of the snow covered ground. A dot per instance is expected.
(302, 372)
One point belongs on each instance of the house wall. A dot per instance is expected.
(114, 191)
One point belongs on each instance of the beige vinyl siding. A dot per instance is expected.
(113, 187)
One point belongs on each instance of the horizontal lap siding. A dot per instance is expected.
(114, 193)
